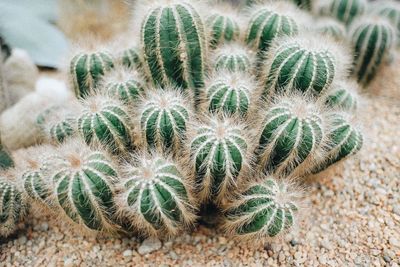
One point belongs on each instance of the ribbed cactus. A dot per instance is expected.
(155, 197)
(86, 70)
(391, 11)
(290, 134)
(232, 58)
(174, 45)
(346, 10)
(343, 96)
(107, 121)
(6, 160)
(305, 4)
(124, 84)
(12, 206)
(230, 93)
(131, 58)
(304, 63)
(271, 21)
(218, 153)
(59, 122)
(343, 140)
(84, 181)
(331, 27)
(63, 129)
(164, 117)
(372, 40)
(222, 28)
(265, 210)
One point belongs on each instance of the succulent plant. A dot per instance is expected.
(223, 27)
(305, 4)
(303, 63)
(343, 96)
(331, 27)
(271, 21)
(343, 140)
(372, 40)
(346, 11)
(4, 93)
(86, 70)
(164, 116)
(84, 185)
(6, 160)
(130, 58)
(155, 196)
(218, 153)
(391, 11)
(290, 134)
(107, 121)
(232, 58)
(264, 210)
(12, 206)
(174, 45)
(230, 93)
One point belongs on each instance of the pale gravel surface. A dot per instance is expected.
(353, 220)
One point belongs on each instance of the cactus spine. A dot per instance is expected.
(289, 137)
(86, 70)
(232, 58)
(218, 153)
(84, 181)
(12, 207)
(372, 40)
(301, 63)
(164, 118)
(223, 28)
(346, 10)
(174, 45)
(106, 120)
(155, 197)
(342, 97)
(265, 210)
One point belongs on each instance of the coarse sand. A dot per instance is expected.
(353, 217)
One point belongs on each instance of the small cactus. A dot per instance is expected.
(218, 154)
(265, 210)
(346, 11)
(343, 140)
(290, 134)
(303, 63)
(230, 93)
(130, 58)
(305, 4)
(232, 58)
(6, 160)
(271, 21)
(223, 28)
(164, 117)
(343, 97)
(391, 11)
(174, 45)
(332, 28)
(86, 70)
(84, 179)
(107, 121)
(372, 41)
(12, 206)
(124, 84)
(155, 197)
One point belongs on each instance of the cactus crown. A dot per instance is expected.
(232, 57)
(223, 26)
(155, 196)
(164, 117)
(331, 27)
(265, 210)
(218, 153)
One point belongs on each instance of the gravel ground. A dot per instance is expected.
(353, 220)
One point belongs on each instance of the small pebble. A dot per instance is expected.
(149, 245)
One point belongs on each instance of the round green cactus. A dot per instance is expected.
(346, 11)
(12, 207)
(154, 196)
(302, 63)
(107, 121)
(265, 210)
(84, 181)
(86, 70)
(223, 28)
(343, 97)
(63, 129)
(289, 136)
(331, 27)
(175, 47)
(232, 58)
(391, 11)
(230, 93)
(6, 160)
(124, 84)
(372, 41)
(218, 153)
(343, 140)
(305, 4)
(164, 116)
(269, 22)
(131, 58)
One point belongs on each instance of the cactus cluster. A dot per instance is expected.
(207, 113)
